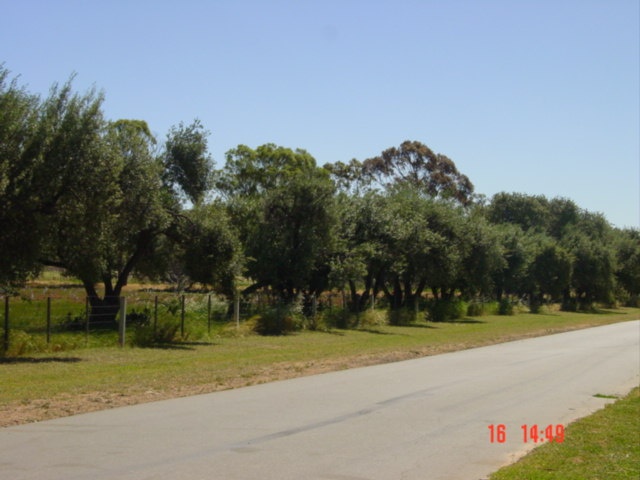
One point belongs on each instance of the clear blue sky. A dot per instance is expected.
(533, 96)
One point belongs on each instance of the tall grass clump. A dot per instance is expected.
(446, 310)
(280, 319)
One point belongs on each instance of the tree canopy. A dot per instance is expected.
(104, 199)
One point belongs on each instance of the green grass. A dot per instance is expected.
(603, 446)
(228, 358)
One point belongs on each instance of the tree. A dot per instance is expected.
(283, 206)
(530, 212)
(249, 173)
(628, 262)
(94, 195)
(590, 242)
(209, 249)
(290, 245)
(18, 213)
(407, 240)
(416, 165)
(188, 167)
(510, 278)
(110, 212)
(360, 258)
(482, 257)
(549, 270)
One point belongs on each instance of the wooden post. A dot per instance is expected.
(48, 320)
(122, 327)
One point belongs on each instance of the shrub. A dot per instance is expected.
(146, 336)
(280, 320)
(506, 307)
(21, 343)
(338, 318)
(402, 316)
(439, 310)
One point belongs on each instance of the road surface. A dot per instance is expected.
(419, 419)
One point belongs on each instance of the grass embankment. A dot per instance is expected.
(57, 384)
(605, 445)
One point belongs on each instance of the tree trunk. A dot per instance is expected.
(103, 311)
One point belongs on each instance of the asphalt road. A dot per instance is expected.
(420, 419)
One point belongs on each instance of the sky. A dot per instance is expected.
(532, 96)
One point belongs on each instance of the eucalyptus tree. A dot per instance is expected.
(415, 165)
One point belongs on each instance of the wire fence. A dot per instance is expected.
(41, 322)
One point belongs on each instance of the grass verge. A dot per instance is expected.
(51, 385)
(605, 445)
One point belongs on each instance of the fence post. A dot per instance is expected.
(48, 320)
(122, 327)
(182, 316)
(6, 323)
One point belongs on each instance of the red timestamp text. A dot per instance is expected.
(530, 433)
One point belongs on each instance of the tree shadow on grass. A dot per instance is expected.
(461, 321)
(373, 330)
(20, 360)
(179, 345)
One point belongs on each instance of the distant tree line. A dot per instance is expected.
(103, 199)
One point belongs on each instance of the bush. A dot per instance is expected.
(146, 336)
(280, 320)
(476, 309)
(338, 318)
(402, 316)
(21, 343)
(439, 310)
(506, 307)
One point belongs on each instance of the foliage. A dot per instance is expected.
(280, 319)
(284, 206)
(188, 167)
(445, 310)
(18, 217)
(415, 165)
(148, 335)
(101, 199)
(93, 195)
